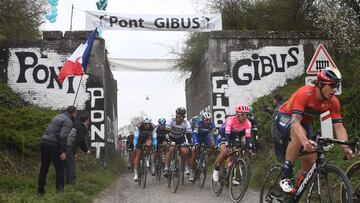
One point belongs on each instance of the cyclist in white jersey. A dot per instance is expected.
(179, 132)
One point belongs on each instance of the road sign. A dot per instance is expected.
(320, 60)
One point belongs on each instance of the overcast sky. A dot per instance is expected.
(164, 89)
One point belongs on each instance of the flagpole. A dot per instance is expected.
(72, 10)
(77, 90)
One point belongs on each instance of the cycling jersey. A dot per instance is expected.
(178, 131)
(232, 130)
(305, 103)
(203, 132)
(161, 134)
(232, 126)
(143, 133)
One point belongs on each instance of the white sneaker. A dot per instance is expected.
(187, 170)
(136, 178)
(191, 176)
(216, 175)
(235, 182)
(287, 186)
(153, 169)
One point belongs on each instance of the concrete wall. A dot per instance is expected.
(30, 68)
(240, 67)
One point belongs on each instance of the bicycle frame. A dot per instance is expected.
(316, 167)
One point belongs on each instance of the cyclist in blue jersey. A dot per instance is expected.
(194, 120)
(203, 131)
(145, 134)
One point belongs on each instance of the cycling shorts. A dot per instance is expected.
(197, 139)
(180, 140)
(283, 124)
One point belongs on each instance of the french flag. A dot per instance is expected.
(77, 63)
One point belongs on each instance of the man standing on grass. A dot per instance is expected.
(53, 148)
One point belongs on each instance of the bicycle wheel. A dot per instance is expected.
(175, 173)
(144, 172)
(328, 186)
(218, 186)
(270, 189)
(239, 179)
(202, 172)
(353, 173)
(140, 170)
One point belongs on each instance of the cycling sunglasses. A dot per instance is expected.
(242, 114)
(334, 85)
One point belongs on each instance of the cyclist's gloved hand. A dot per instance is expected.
(349, 154)
(309, 146)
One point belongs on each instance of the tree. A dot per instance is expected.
(130, 128)
(340, 19)
(20, 19)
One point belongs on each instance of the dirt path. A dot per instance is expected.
(126, 190)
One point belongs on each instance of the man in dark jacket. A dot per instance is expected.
(53, 148)
(77, 138)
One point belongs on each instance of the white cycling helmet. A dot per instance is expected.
(206, 115)
(146, 120)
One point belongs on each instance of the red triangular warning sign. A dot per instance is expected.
(319, 61)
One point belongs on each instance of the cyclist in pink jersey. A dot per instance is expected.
(236, 128)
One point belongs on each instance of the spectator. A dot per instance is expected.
(77, 138)
(280, 143)
(53, 148)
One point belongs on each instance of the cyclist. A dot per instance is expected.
(130, 148)
(179, 132)
(203, 131)
(194, 120)
(236, 127)
(296, 114)
(145, 134)
(161, 133)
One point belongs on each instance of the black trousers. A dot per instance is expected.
(70, 167)
(50, 154)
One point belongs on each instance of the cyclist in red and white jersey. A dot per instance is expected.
(296, 115)
(236, 128)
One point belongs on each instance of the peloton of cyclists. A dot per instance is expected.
(296, 115)
(235, 127)
(179, 132)
(145, 134)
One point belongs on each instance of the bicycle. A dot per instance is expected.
(145, 162)
(236, 176)
(176, 168)
(160, 161)
(326, 180)
(200, 171)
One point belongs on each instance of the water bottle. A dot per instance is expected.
(300, 179)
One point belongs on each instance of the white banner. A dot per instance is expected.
(113, 21)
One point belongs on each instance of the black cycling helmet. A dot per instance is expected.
(181, 111)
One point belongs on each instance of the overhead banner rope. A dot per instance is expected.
(113, 21)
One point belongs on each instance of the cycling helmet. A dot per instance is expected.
(329, 75)
(251, 110)
(180, 111)
(194, 119)
(242, 108)
(146, 120)
(162, 121)
(206, 115)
